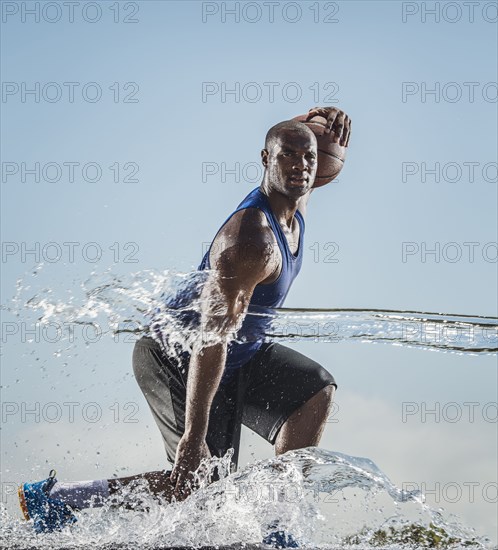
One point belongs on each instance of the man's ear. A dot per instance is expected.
(264, 157)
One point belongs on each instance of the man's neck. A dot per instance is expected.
(282, 206)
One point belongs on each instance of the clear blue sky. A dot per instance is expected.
(152, 116)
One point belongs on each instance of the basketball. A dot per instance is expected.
(329, 165)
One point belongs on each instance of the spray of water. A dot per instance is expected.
(291, 490)
(297, 490)
(142, 301)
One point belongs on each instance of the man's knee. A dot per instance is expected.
(325, 396)
(329, 391)
(318, 404)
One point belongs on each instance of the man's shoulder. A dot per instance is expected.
(246, 239)
(247, 225)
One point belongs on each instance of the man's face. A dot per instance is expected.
(292, 163)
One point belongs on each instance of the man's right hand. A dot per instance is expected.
(189, 454)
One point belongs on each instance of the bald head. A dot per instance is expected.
(278, 132)
(290, 159)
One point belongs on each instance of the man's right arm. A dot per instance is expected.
(246, 258)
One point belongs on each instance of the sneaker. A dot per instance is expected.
(280, 539)
(48, 514)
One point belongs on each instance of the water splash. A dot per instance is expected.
(299, 489)
(291, 489)
(436, 331)
(115, 306)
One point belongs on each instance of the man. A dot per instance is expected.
(231, 377)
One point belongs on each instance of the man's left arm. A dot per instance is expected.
(337, 132)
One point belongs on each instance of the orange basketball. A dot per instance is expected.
(329, 165)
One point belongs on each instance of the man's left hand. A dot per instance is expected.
(338, 124)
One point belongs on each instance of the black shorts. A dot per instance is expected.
(262, 394)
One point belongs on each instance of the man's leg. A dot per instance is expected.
(287, 402)
(94, 494)
(164, 386)
(304, 428)
(163, 392)
(288, 399)
(156, 483)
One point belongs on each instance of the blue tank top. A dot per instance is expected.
(265, 297)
